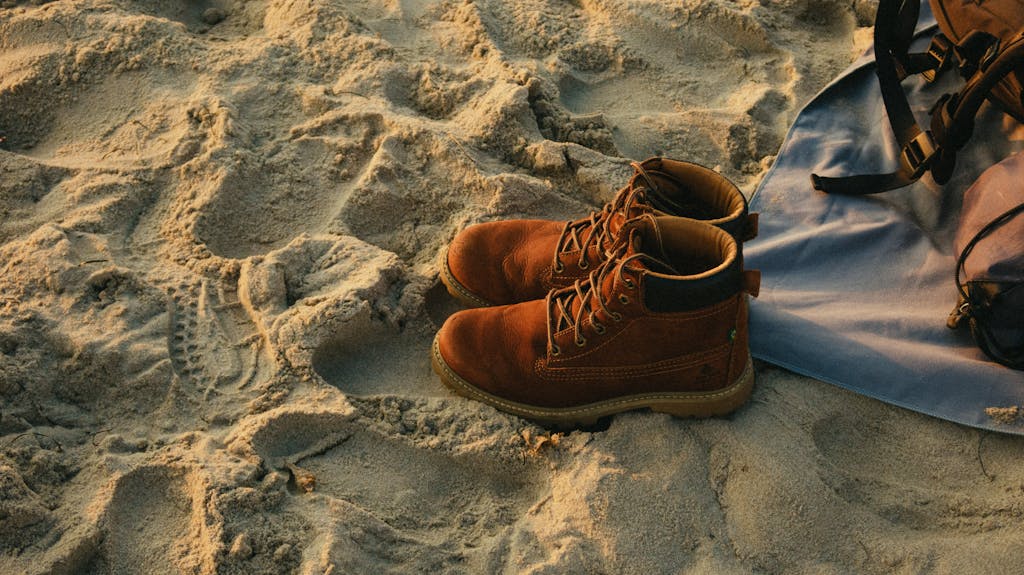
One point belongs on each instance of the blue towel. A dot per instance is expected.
(856, 290)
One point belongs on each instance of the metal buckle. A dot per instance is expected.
(917, 154)
(939, 50)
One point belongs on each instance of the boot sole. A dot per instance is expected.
(680, 404)
(456, 289)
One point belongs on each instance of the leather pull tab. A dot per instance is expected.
(752, 282)
(750, 230)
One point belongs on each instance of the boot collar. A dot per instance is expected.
(687, 265)
(672, 264)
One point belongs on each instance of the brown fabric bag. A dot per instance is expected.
(1000, 19)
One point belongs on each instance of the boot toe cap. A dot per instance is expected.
(489, 351)
(498, 263)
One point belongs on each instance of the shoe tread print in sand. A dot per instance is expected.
(213, 343)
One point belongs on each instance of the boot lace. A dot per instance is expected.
(599, 221)
(588, 292)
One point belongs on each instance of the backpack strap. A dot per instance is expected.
(928, 63)
(953, 115)
(967, 53)
(894, 30)
(979, 59)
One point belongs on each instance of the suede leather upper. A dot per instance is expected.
(477, 264)
(622, 347)
(515, 260)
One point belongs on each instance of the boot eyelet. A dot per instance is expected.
(599, 328)
(629, 283)
(624, 299)
(559, 268)
(583, 264)
(581, 342)
(555, 350)
(616, 316)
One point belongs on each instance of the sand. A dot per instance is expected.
(219, 230)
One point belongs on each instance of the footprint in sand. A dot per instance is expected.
(398, 23)
(394, 505)
(255, 208)
(196, 15)
(23, 191)
(213, 344)
(388, 362)
(382, 363)
(124, 120)
(403, 500)
(153, 524)
(925, 481)
(425, 492)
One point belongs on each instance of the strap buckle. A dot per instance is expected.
(939, 51)
(975, 52)
(917, 154)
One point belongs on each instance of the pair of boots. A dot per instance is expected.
(642, 304)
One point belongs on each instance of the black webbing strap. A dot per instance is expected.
(928, 63)
(894, 31)
(981, 60)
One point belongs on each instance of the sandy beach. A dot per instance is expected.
(220, 223)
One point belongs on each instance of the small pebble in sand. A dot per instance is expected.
(214, 16)
(304, 480)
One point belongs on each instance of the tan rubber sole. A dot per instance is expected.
(456, 289)
(680, 404)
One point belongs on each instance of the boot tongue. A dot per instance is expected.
(645, 238)
(622, 209)
(620, 217)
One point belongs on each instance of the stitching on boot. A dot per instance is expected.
(656, 368)
(695, 398)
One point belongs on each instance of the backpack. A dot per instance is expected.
(990, 266)
(984, 41)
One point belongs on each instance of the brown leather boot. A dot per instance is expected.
(662, 324)
(520, 260)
